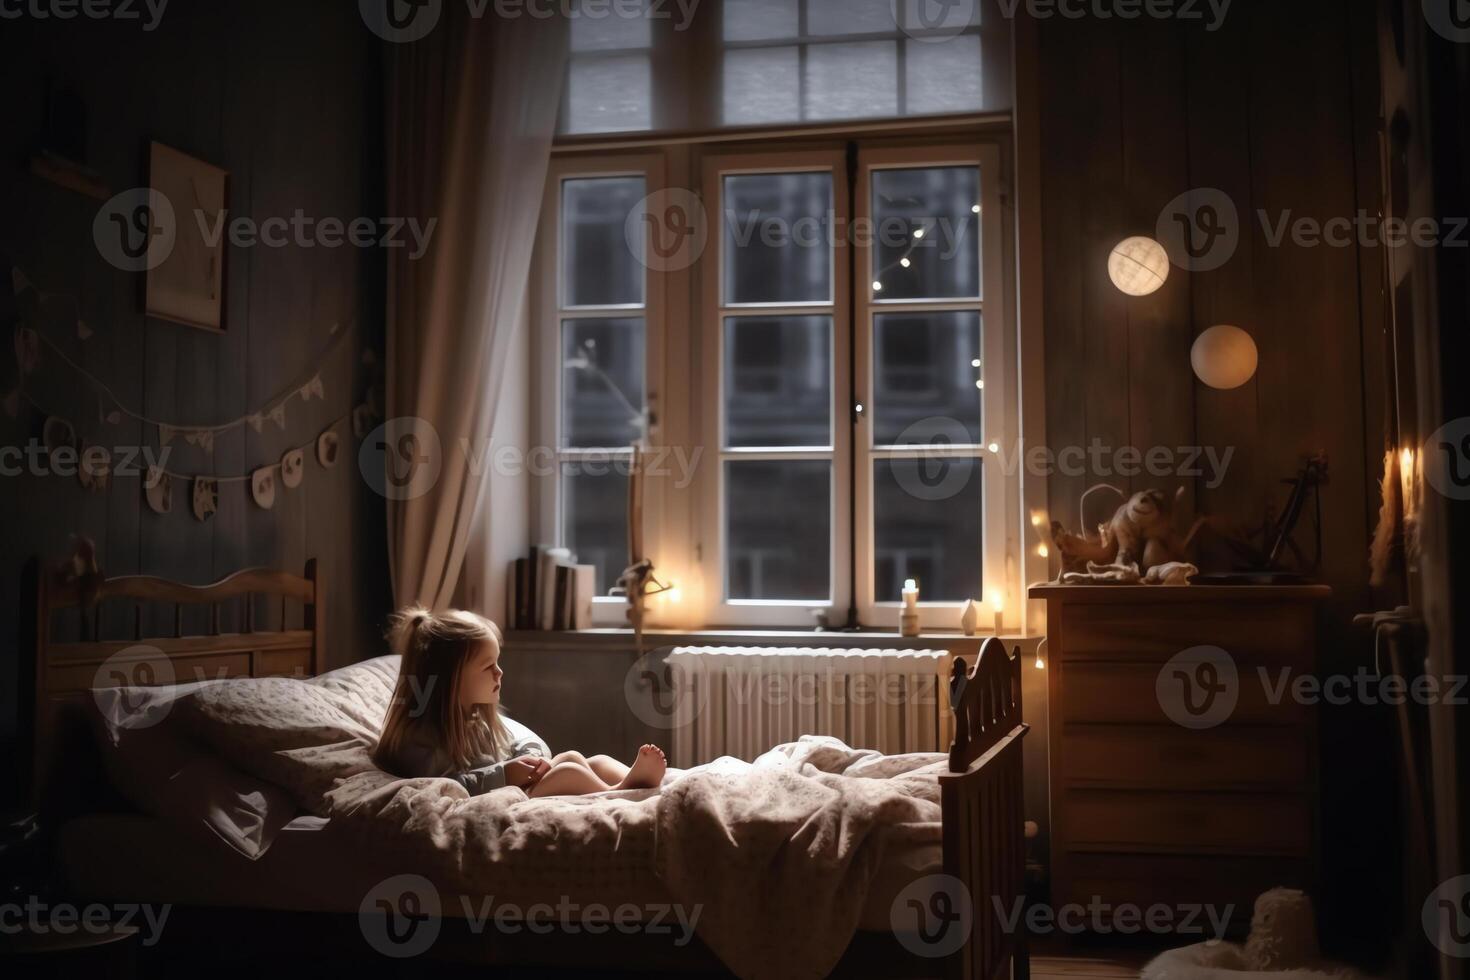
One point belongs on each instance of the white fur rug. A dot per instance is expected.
(1226, 961)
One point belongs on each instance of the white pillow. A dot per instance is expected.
(161, 772)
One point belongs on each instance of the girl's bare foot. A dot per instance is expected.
(648, 769)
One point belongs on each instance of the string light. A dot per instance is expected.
(980, 383)
(918, 233)
(905, 262)
(975, 209)
(975, 363)
(877, 286)
(994, 447)
(1041, 551)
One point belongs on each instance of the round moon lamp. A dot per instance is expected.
(1138, 266)
(1224, 357)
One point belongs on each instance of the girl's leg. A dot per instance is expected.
(608, 769)
(568, 779)
(571, 755)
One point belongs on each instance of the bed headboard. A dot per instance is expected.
(65, 670)
(986, 702)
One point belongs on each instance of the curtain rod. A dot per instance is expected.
(991, 121)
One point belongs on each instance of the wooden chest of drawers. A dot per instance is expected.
(1182, 770)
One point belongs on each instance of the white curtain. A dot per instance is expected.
(471, 114)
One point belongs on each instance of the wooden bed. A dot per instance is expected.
(981, 795)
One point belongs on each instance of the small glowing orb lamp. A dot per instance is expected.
(1138, 266)
(1224, 357)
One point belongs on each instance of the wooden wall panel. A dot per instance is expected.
(288, 98)
(1276, 110)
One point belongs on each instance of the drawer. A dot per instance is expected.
(1176, 758)
(1128, 694)
(1264, 632)
(1157, 822)
(283, 663)
(1229, 886)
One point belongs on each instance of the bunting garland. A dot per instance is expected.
(96, 473)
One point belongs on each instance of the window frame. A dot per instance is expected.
(717, 608)
(547, 315)
(997, 404)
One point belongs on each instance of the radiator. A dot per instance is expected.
(741, 701)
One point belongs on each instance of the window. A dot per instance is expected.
(597, 305)
(836, 366)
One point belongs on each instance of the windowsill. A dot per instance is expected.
(621, 639)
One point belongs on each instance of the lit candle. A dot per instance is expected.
(910, 595)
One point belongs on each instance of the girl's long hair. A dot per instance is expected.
(425, 711)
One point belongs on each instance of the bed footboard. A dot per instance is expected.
(984, 821)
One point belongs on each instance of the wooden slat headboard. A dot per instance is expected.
(65, 671)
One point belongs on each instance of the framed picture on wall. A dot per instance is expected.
(188, 286)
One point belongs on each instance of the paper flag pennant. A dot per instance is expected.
(256, 422)
(202, 438)
(27, 349)
(84, 332)
(165, 435)
(278, 415)
(313, 389)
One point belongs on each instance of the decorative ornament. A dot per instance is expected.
(313, 389)
(970, 618)
(158, 490)
(278, 415)
(1138, 266)
(95, 471)
(1224, 357)
(263, 487)
(57, 433)
(256, 422)
(27, 350)
(203, 438)
(165, 435)
(206, 497)
(293, 468)
(327, 449)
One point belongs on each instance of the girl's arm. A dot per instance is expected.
(523, 742)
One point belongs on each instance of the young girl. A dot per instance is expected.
(445, 718)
